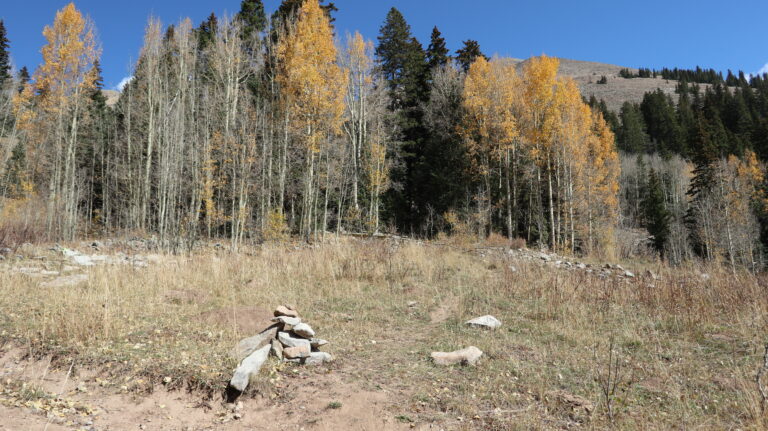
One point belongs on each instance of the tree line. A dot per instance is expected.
(253, 127)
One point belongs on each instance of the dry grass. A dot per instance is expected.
(686, 347)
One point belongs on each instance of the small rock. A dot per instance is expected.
(249, 345)
(317, 343)
(249, 367)
(284, 310)
(303, 330)
(277, 349)
(289, 341)
(581, 266)
(628, 274)
(297, 352)
(287, 322)
(5, 250)
(468, 356)
(485, 322)
(412, 304)
(318, 358)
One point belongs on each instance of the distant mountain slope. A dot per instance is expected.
(618, 90)
(112, 96)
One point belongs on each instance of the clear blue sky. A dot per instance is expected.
(636, 33)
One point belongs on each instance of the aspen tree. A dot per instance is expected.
(62, 83)
(313, 85)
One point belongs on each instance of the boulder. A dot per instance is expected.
(249, 367)
(304, 330)
(302, 351)
(484, 322)
(249, 345)
(468, 356)
(287, 311)
(289, 341)
(318, 358)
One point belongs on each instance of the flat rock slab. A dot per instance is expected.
(468, 356)
(287, 322)
(303, 330)
(485, 322)
(297, 352)
(289, 341)
(317, 343)
(249, 345)
(249, 367)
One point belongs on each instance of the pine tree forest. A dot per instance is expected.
(250, 128)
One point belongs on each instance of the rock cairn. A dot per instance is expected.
(288, 339)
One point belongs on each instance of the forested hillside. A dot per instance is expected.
(253, 128)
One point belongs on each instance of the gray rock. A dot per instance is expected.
(287, 322)
(303, 330)
(468, 356)
(289, 341)
(628, 274)
(317, 343)
(318, 358)
(249, 367)
(277, 349)
(249, 345)
(5, 250)
(484, 322)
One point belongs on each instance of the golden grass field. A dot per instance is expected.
(678, 349)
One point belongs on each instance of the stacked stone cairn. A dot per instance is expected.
(288, 339)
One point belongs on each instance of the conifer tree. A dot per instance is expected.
(23, 78)
(5, 58)
(252, 17)
(437, 52)
(469, 53)
(403, 64)
(656, 217)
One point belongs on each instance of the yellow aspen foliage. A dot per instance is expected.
(68, 58)
(539, 78)
(312, 81)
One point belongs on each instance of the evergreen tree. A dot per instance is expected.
(437, 52)
(252, 17)
(631, 134)
(5, 58)
(469, 53)
(205, 33)
(656, 217)
(23, 77)
(402, 62)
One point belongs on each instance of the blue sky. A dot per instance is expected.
(637, 33)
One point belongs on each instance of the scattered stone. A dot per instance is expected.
(302, 351)
(581, 266)
(412, 304)
(304, 330)
(287, 311)
(484, 322)
(249, 367)
(289, 341)
(5, 250)
(2, 258)
(318, 358)
(249, 345)
(468, 356)
(629, 274)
